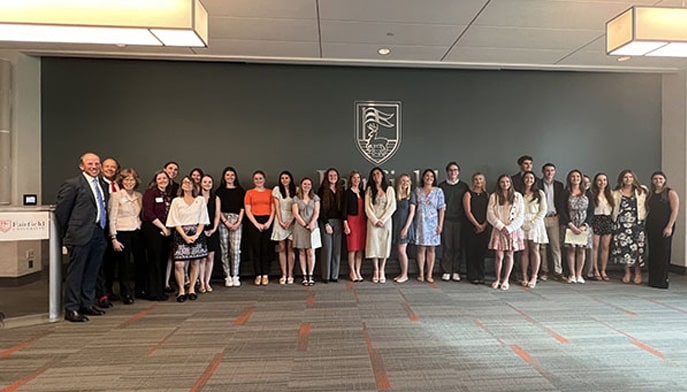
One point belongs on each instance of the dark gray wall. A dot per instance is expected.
(273, 117)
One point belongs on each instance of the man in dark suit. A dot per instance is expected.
(553, 189)
(525, 164)
(103, 289)
(82, 218)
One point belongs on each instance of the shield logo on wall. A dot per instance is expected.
(5, 225)
(377, 129)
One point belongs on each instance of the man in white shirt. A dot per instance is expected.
(553, 190)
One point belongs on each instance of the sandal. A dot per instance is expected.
(282, 280)
(626, 278)
(532, 283)
(604, 276)
(524, 283)
(638, 279)
(597, 276)
(496, 284)
(430, 279)
(420, 278)
(505, 286)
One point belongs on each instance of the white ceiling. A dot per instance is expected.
(520, 34)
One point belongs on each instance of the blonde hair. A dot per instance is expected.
(400, 194)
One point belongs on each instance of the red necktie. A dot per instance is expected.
(114, 188)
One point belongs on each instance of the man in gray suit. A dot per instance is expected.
(82, 217)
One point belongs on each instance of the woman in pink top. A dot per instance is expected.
(260, 212)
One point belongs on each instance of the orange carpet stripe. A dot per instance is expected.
(558, 337)
(209, 371)
(631, 313)
(381, 378)
(161, 342)
(23, 381)
(349, 285)
(433, 285)
(411, 315)
(243, 318)
(648, 348)
(137, 316)
(303, 335)
(311, 299)
(14, 349)
(523, 354)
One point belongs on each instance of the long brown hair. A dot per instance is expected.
(664, 192)
(596, 191)
(636, 186)
(329, 199)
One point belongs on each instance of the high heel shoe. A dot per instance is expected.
(382, 278)
(375, 277)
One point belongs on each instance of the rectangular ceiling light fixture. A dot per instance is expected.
(119, 22)
(648, 31)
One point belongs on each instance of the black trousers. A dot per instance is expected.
(261, 246)
(157, 249)
(475, 251)
(659, 258)
(131, 263)
(107, 273)
(82, 272)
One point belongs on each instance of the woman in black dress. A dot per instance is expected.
(662, 204)
(475, 203)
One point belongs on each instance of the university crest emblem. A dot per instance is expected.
(377, 129)
(5, 225)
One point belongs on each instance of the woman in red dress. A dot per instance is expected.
(355, 225)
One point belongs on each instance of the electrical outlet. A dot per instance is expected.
(30, 263)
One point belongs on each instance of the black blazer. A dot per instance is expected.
(558, 191)
(76, 210)
(351, 203)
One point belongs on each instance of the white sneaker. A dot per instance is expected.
(446, 277)
(580, 280)
(456, 277)
(237, 282)
(228, 282)
(572, 279)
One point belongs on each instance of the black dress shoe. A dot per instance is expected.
(181, 298)
(192, 296)
(92, 311)
(105, 303)
(113, 297)
(334, 280)
(128, 300)
(75, 317)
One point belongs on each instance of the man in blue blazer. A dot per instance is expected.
(82, 218)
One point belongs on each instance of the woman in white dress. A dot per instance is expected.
(380, 204)
(505, 213)
(282, 229)
(533, 229)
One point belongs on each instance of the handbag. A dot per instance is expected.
(315, 239)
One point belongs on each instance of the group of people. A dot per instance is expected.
(107, 224)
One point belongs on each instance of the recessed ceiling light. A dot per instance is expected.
(624, 58)
(384, 51)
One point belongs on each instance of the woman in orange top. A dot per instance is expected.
(260, 213)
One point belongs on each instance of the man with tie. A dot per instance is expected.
(103, 290)
(82, 218)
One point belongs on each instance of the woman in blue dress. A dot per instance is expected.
(429, 221)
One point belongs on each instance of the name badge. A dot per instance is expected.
(159, 200)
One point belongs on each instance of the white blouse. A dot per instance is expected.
(182, 214)
(603, 207)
